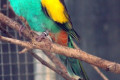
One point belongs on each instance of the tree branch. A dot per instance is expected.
(100, 73)
(59, 71)
(45, 45)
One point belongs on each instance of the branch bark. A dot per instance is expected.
(45, 45)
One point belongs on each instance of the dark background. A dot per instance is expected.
(98, 23)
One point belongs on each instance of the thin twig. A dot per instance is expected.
(100, 73)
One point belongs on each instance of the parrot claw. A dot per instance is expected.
(21, 30)
(43, 36)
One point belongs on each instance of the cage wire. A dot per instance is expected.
(14, 66)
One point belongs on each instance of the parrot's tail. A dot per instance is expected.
(74, 66)
(73, 33)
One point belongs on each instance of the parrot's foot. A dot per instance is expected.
(21, 29)
(43, 36)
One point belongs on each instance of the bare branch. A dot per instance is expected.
(100, 73)
(24, 50)
(55, 48)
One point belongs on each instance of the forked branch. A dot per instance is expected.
(52, 47)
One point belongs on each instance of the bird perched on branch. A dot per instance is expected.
(51, 15)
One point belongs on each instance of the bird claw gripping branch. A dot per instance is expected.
(43, 35)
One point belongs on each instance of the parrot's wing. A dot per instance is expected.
(56, 10)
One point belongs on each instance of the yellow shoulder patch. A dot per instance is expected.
(55, 10)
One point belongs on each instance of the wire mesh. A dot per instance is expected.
(14, 66)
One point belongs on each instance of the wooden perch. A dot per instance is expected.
(46, 45)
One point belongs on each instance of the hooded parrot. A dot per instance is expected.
(51, 15)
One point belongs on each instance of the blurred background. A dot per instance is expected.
(98, 24)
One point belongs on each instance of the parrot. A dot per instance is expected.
(52, 15)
